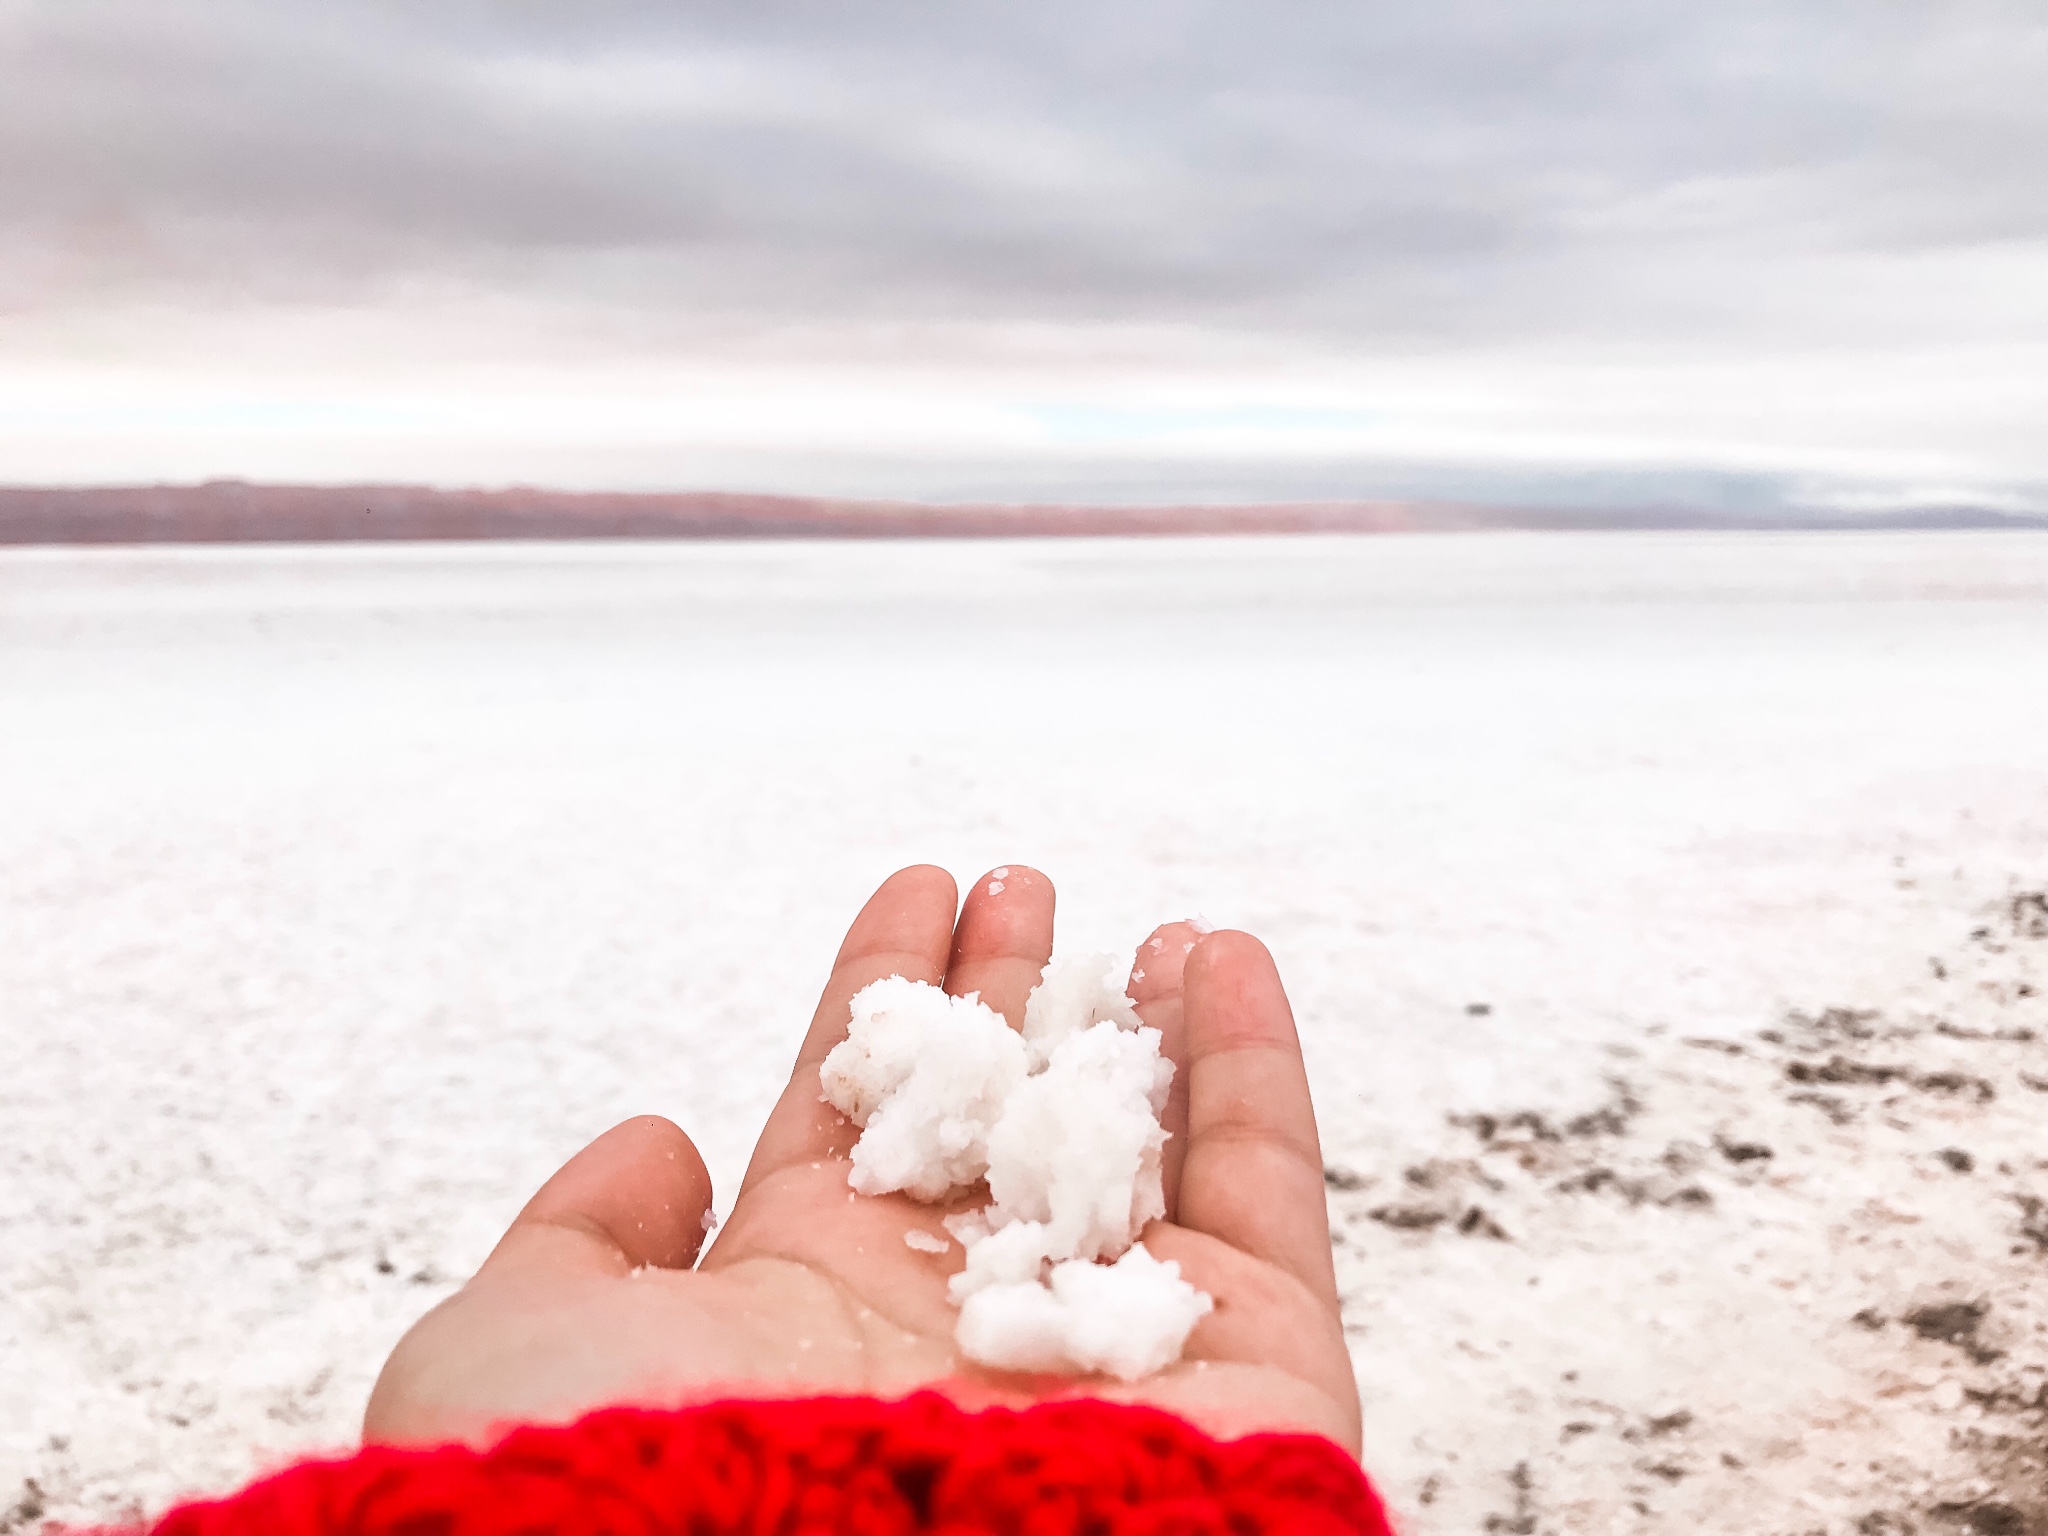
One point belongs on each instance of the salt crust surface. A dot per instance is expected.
(344, 893)
(1062, 1120)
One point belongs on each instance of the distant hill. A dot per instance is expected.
(233, 511)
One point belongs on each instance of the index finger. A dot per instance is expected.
(906, 929)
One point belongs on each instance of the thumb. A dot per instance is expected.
(634, 1197)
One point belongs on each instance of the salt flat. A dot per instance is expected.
(1659, 910)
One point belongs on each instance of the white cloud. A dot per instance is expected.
(912, 250)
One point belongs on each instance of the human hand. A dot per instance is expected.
(591, 1297)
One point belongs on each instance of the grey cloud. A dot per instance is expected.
(1419, 171)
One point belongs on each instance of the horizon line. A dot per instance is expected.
(245, 511)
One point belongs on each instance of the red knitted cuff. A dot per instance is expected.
(839, 1465)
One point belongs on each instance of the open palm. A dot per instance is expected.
(596, 1294)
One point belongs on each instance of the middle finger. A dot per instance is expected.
(1003, 939)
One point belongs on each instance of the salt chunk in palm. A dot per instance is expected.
(1070, 996)
(1015, 1254)
(925, 1075)
(1063, 1121)
(1128, 1319)
(1078, 1145)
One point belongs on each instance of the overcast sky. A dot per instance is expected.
(1575, 250)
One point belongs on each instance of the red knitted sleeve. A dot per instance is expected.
(828, 1465)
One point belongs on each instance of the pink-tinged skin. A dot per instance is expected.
(598, 1295)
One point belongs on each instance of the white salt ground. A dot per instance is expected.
(344, 893)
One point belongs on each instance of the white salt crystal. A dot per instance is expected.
(1070, 996)
(969, 1227)
(1128, 1319)
(1018, 1326)
(1078, 1145)
(1063, 1122)
(924, 1075)
(1012, 1255)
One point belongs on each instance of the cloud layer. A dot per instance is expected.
(1293, 196)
